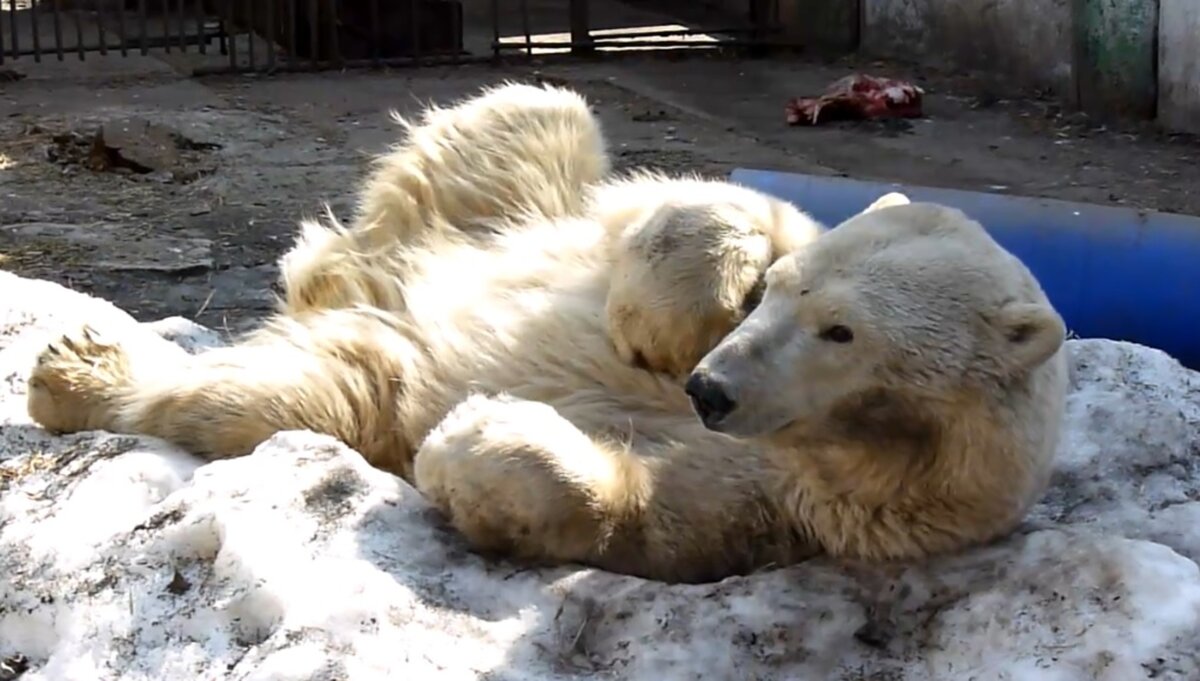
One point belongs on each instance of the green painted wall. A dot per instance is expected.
(1115, 50)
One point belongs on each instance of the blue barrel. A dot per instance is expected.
(1111, 272)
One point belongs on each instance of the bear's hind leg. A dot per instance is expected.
(510, 150)
(517, 479)
(493, 158)
(335, 373)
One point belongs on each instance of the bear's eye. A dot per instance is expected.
(837, 333)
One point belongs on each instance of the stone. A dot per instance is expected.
(109, 246)
(139, 145)
(133, 147)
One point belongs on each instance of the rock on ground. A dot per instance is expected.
(124, 558)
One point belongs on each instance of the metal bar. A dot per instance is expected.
(250, 35)
(495, 29)
(581, 26)
(201, 34)
(55, 11)
(101, 19)
(144, 36)
(166, 24)
(181, 10)
(232, 36)
(78, 16)
(121, 33)
(35, 16)
(376, 33)
(758, 14)
(335, 48)
(271, 35)
(525, 28)
(223, 17)
(314, 27)
(293, 33)
(12, 27)
(414, 29)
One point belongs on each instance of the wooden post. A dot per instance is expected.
(1115, 57)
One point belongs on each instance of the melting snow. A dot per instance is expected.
(124, 558)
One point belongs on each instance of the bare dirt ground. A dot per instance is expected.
(195, 226)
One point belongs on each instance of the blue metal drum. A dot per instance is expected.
(1111, 272)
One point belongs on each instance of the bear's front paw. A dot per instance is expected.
(76, 382)
(517, 479)
(666, 338)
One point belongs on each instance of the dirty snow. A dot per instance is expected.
(124, 558)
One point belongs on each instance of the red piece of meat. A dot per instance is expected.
(858, 97)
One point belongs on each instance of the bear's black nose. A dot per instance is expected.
(709, 399)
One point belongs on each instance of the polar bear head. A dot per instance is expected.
(898, 311)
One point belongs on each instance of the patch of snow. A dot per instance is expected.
(124, 558)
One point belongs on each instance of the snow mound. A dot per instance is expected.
(124, 558)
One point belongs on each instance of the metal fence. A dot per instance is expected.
(229, 36)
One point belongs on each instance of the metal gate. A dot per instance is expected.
(265, 36)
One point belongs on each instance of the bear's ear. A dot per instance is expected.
(886, 201)
(1031, 334)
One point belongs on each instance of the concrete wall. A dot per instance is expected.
(1027, 40)
(1179, 65)
(1112, 58)
(824, 25)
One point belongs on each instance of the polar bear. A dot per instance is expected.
(671, 378)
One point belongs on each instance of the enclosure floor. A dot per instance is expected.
(203, 244)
